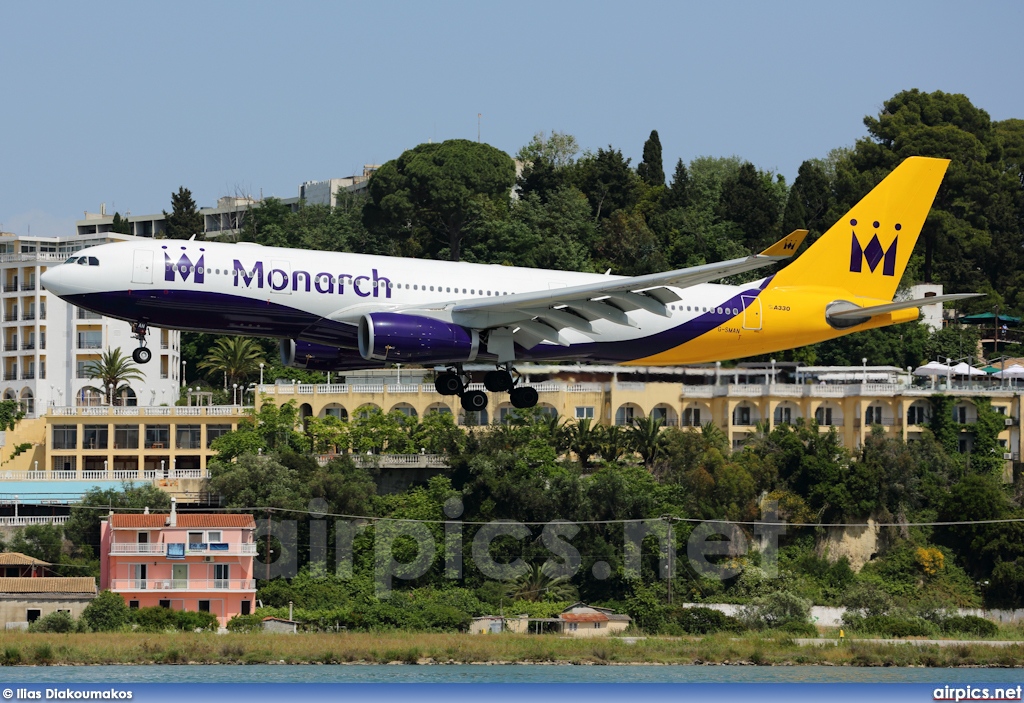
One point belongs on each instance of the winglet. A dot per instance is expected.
(787, 246)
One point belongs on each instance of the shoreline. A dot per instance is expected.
(439, 649)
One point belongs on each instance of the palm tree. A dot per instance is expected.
(613, 444)
(584, 439)
(645, 436)
(538, 584)
(236, 358)
(115, 372)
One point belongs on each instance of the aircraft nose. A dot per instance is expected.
(50, 279)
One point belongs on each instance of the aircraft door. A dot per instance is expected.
(751, 312)
(142, 270)
(279, 277)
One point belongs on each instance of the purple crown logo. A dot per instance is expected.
(873, 253)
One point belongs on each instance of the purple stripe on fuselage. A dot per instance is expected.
(647, 346)
(222, 313)
(219, 313)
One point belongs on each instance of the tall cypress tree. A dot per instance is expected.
(678, 193)
(650, 169)
(184, 219)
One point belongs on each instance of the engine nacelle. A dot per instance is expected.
(392, 336)
(315, 357)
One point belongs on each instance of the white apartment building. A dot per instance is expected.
(227, 218)
(48, 344)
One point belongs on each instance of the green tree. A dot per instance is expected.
(538, 583)
(439, 193)
(607, 181)
(559, 149)
(11, 413)
(114, 372)
(375, 432)
(83, 526)
(677, 195)
(106, 613)
(272, 427)
(651, 170)
(184, 220)
(44, 542)
(257, 480)
(437, 433)
(748, 201)
(584, 440)
(810, 199)
(645, 437)
(237, 359)
(120, 224)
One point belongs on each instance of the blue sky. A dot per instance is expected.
(123, 103)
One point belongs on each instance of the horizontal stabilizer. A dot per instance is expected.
(856, 313)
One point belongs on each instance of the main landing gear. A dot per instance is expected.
(454, 382)
(142, 355)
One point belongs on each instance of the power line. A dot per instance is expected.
(715, 521)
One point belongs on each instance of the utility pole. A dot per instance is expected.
(478, 116)
(670, 548)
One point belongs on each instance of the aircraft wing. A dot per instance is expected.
(539, 315)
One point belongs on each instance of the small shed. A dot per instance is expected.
(26, 599)
(582, 620)
(280, 625)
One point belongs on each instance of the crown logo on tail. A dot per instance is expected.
(873, 253)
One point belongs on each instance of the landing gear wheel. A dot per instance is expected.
(523, 397)
(448, 384)
(474, 401)
(498, 381)
(142, 355)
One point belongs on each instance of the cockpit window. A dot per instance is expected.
(83, 261)
(87, 261)
(93, 261)
(71, 260)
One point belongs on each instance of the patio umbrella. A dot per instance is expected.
(1014, 371)
(965, 369)
(932, 368)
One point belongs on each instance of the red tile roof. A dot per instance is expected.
(189, 520)
(584, 617)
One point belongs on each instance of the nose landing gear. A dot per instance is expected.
(142, 355)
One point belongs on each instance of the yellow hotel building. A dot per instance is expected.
(170, 445)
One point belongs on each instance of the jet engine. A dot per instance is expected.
(391, 336)
(317, 357)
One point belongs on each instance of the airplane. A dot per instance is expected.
(343, 312)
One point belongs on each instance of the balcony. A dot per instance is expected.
(194, 585)
(138, 548)
(222, 548)
(10, 375)
(11, 316)
(28, 345)
(31, 285)
(30, 315)
(28, 375)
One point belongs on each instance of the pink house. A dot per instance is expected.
(184, 561)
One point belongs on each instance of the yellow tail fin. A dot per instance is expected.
(867, 251)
